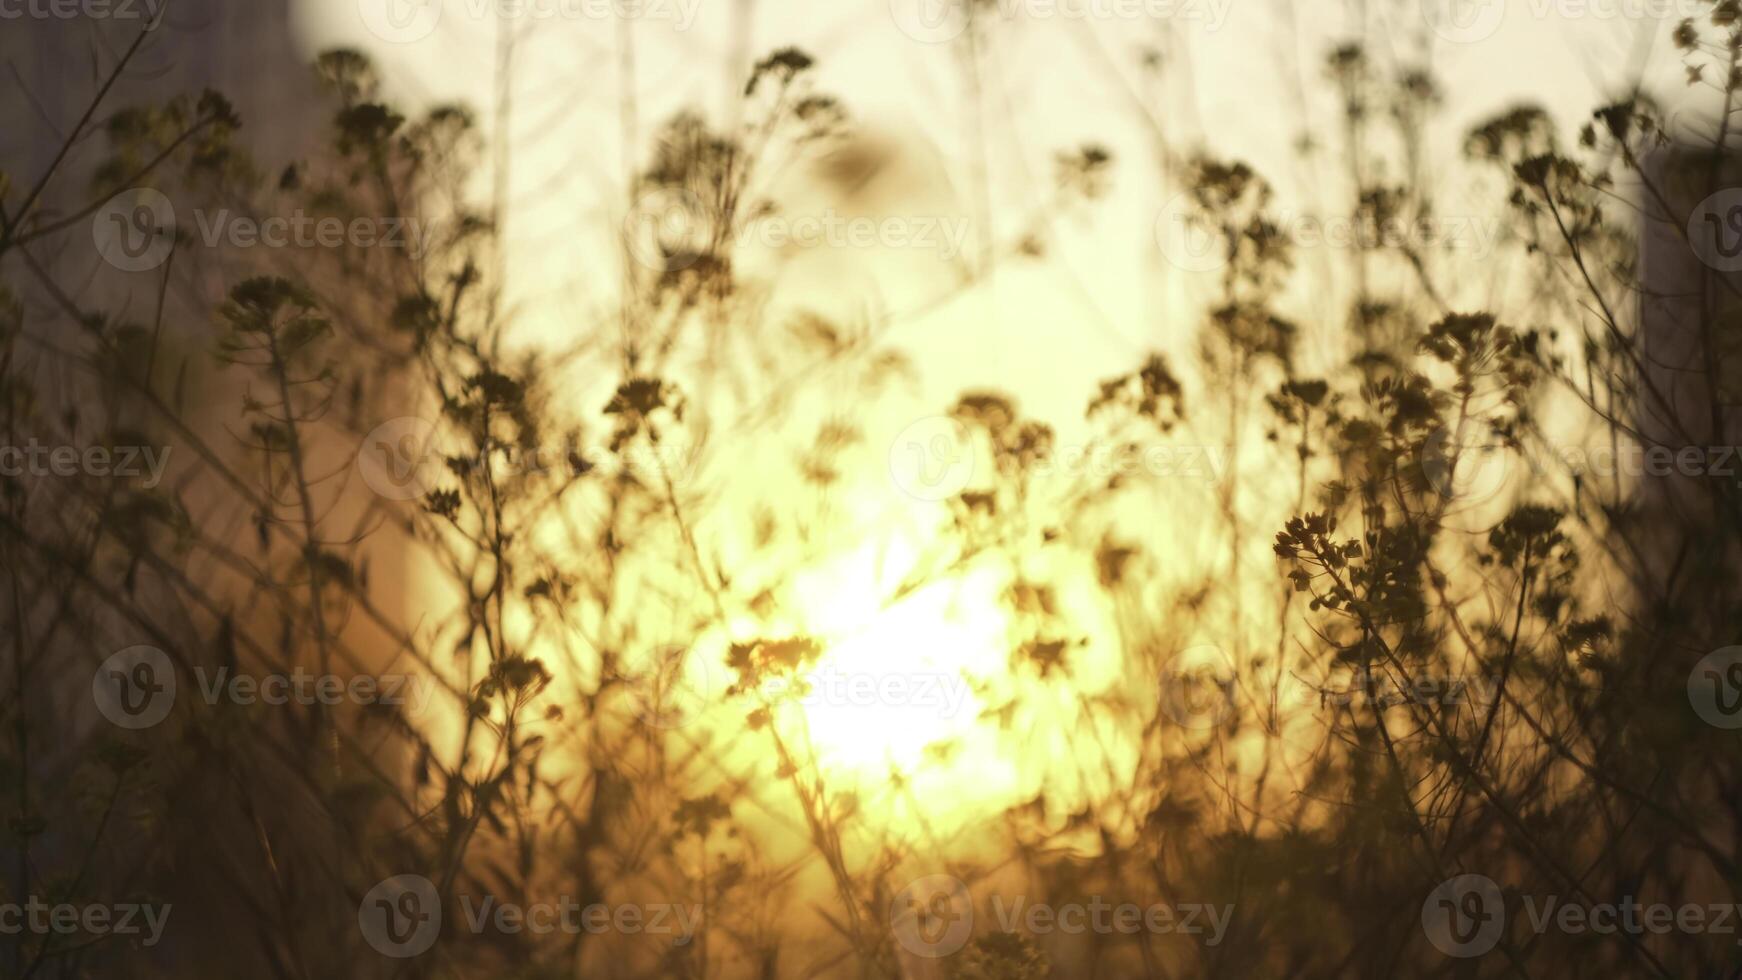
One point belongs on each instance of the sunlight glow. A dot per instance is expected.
(895, 680)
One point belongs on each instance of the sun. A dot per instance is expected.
(896, 679)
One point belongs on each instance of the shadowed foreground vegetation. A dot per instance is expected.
(1404, 637)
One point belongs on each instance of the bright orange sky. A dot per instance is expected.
(1053, 83)
(1045, 329)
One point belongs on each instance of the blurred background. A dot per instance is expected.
(864, 484)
